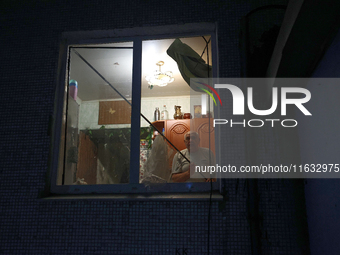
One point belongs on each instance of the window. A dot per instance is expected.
(106, 99)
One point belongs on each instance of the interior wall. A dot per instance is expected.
(89, 110)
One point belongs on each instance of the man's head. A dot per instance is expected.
(192, 141)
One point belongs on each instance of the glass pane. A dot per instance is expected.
(97, 148)
(167, 66)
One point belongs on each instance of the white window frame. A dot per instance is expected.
(137, 35)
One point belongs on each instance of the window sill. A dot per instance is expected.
(216, 196)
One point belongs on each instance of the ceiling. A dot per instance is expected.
(115, 65)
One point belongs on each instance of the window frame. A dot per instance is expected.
(137, 36)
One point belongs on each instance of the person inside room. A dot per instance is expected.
(197, 155)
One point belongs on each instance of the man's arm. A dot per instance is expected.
(176, 167)
(181, 177)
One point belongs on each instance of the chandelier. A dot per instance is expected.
(159, 78)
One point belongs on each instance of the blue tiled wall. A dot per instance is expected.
(30, 36)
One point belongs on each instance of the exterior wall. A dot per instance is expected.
(322, 195)
(30, 37)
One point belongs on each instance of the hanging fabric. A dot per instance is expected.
(190, 64)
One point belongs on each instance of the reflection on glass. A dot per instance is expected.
(98, 123)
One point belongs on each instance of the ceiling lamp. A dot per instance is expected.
(158, 78)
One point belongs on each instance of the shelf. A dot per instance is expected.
(159, 124)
